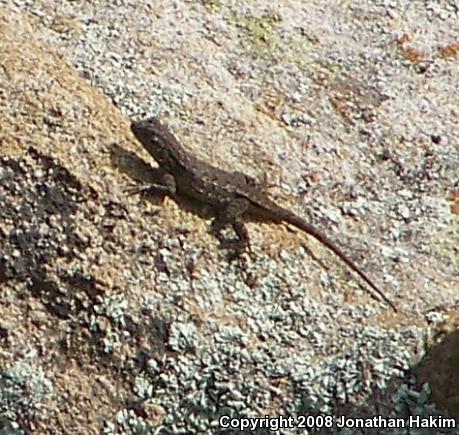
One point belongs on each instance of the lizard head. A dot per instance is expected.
(160, 143)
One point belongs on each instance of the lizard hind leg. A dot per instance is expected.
(231, 214)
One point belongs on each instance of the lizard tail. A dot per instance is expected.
(314, 232)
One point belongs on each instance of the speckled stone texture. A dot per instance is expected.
(121, 314)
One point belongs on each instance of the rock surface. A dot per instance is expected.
(120, 314)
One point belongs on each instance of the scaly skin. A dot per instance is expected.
(233, 195)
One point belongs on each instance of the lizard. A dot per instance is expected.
(233, 196)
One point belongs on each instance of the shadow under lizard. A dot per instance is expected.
(232, 195)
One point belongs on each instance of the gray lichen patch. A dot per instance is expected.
(24, 390)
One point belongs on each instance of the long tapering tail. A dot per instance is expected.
(314, 232)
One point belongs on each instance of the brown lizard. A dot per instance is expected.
(233, 195)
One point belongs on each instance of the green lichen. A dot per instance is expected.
(445, 243)
(212, 5)
(261, 32)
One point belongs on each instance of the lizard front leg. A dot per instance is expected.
(231, 214)
(165, 186)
